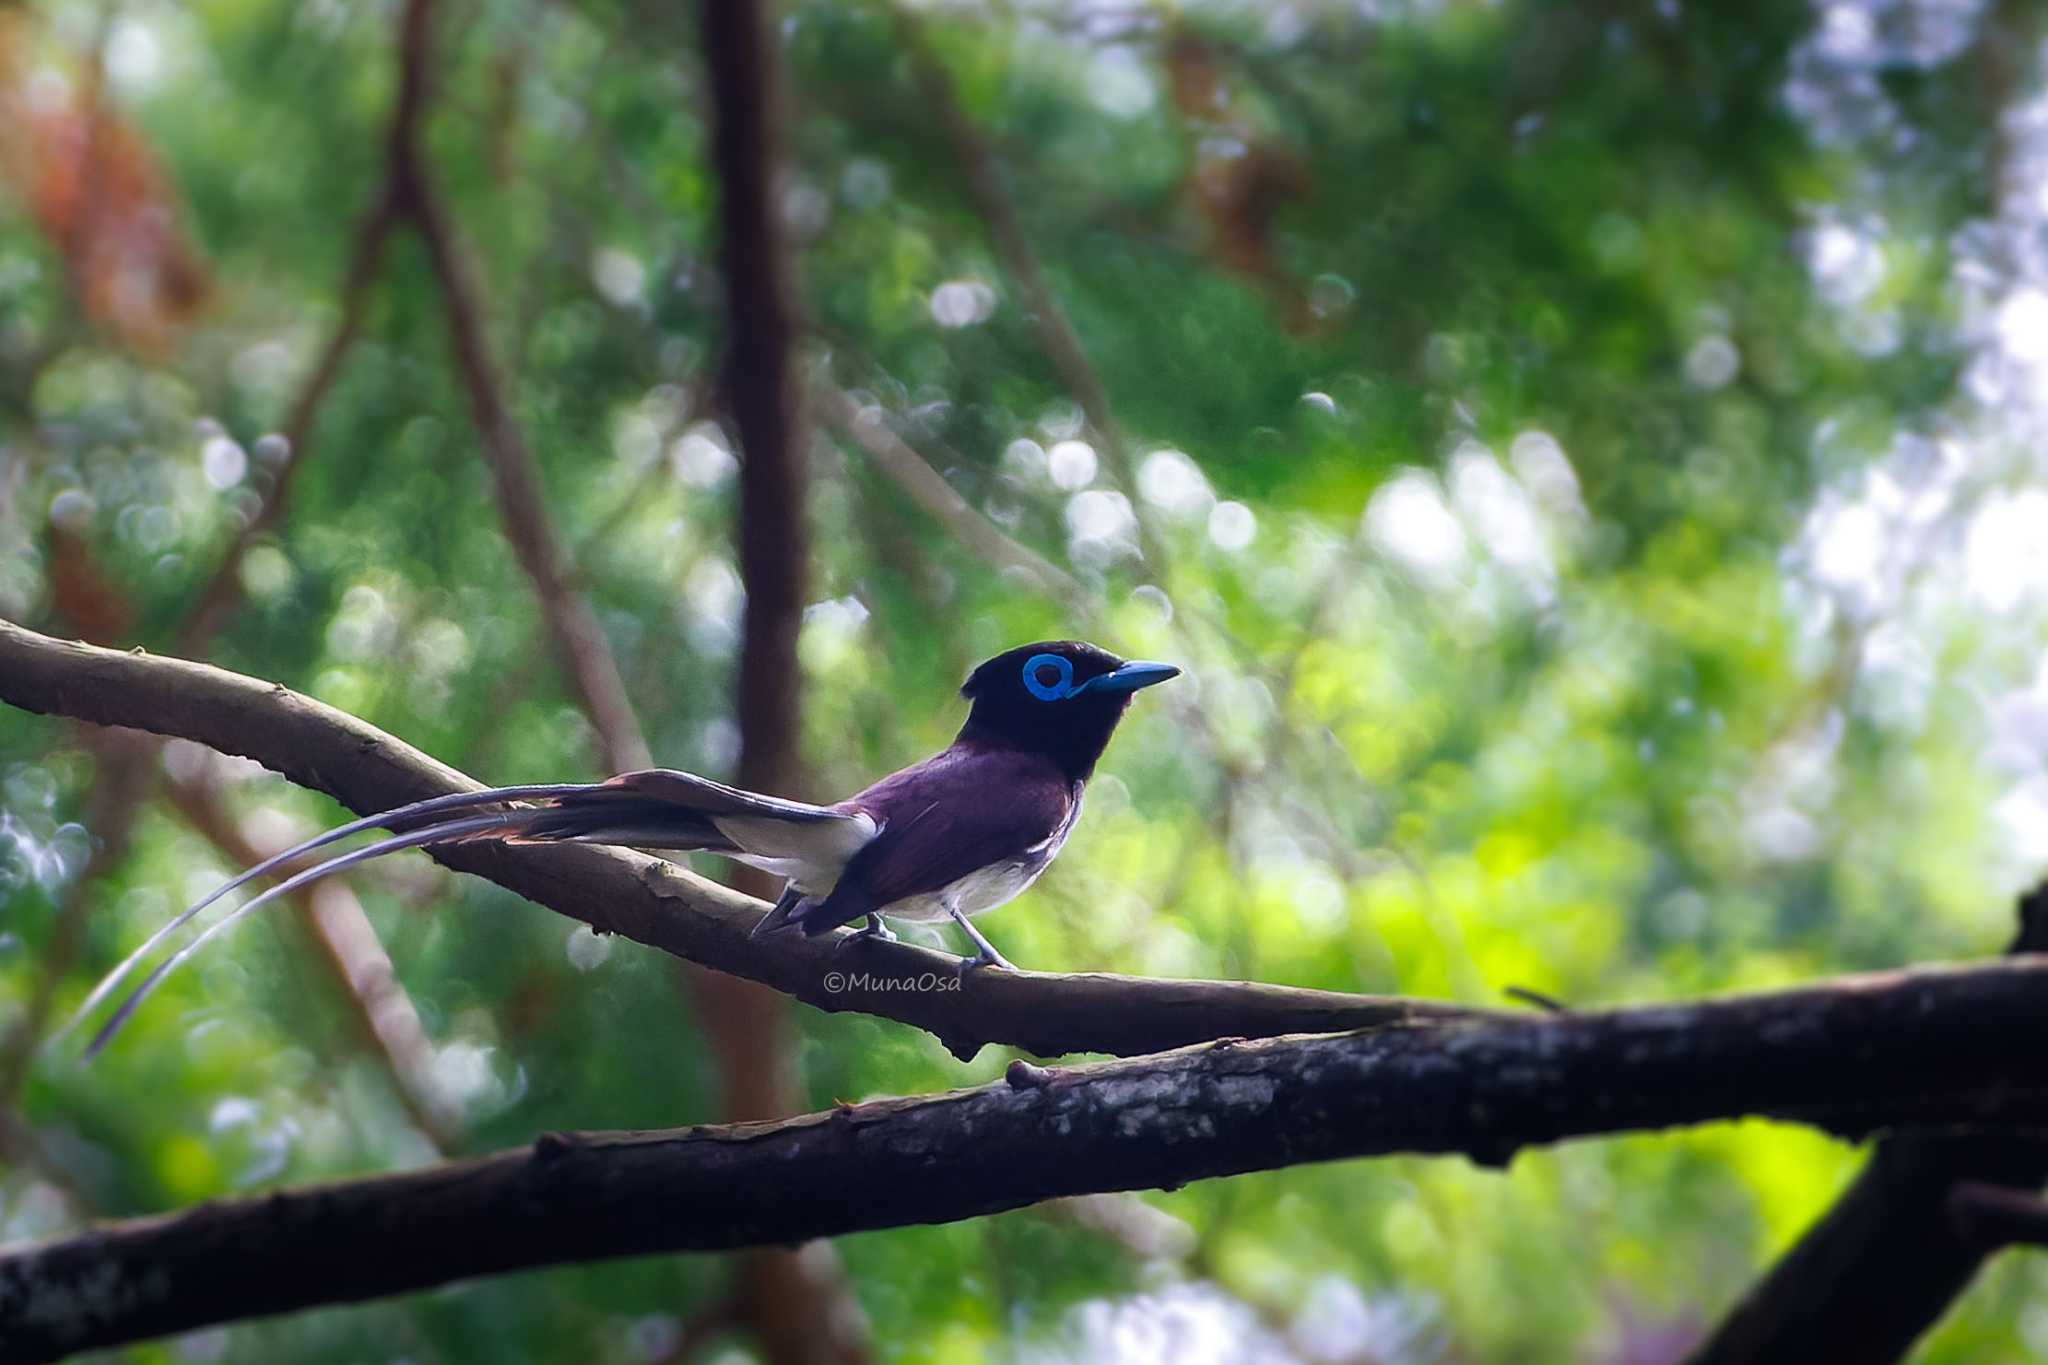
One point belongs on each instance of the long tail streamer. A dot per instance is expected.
(504, 821)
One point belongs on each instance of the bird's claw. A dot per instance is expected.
(985, 954)
(987, 957)
(875, 929)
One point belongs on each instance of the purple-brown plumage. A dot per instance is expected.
(1002, 813)
(962, 832)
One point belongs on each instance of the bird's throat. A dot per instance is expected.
(1073, 739)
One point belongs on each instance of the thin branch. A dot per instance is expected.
(998, 208)
(222, 593)
(121, 786)
(349, 944)
(654, 901)
(867, 428)
(1851, 1057)
(1887, 1260)
(754, 1057)
(515, 476)
(1056, 335)
(77, 246)
(754, 1062)
(1144, 1232)
(126, 779)
(125, 776)
(1994, 1216)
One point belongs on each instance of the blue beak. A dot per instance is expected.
(1130, 677)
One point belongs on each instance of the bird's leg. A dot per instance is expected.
(986, 954)
(874, 929)
(784, 911)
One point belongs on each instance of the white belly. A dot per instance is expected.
(972, 894)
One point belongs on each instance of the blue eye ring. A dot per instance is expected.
(1058, 691)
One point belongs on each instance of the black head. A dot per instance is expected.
(1058, 697)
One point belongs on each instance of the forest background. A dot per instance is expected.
(1587, 459)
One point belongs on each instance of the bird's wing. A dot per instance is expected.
(664, 808)
(947, 818)
(653, 808)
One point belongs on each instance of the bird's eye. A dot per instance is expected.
(1049, 677)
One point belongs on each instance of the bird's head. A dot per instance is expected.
(1062, 698)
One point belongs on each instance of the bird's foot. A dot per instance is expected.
(875, 930)
(985, 954)
(781, 916)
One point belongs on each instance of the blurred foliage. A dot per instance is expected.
(1591, 460)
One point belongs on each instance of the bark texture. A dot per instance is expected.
(658, 903)
(1887, 1260)
(1927, 1048)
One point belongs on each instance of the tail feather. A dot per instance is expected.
(399, 819)
(655, 808)
(438, 833)
(612, 816)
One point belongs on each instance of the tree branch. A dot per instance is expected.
(867, 428)
(752, 1061)
(759, 379)
(334, 918)
(355, 956)
(796, 1305)
(1946, 1047)
(1995, 1216)
(122, 784)
(992, 198)
(579, 641)
(222, 592)
(656, 902)
(126, 779)
(1890, 1257)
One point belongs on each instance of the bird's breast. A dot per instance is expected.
(990, 886)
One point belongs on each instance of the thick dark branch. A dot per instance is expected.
(1888, 1259)
(795, 1306)
(1930, 1047)
(656, 902)
(1886, 1262)
(750, 1026)
(759, 379)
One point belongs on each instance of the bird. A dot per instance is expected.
(963, 831)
